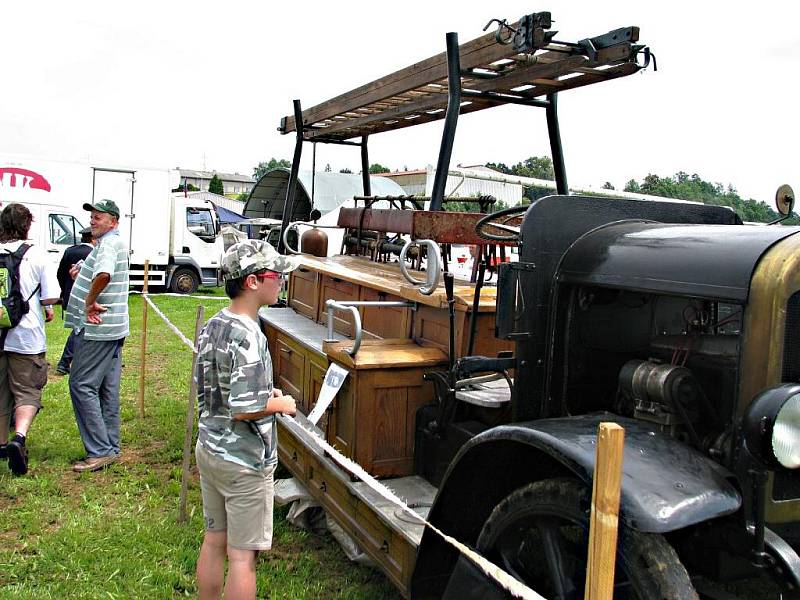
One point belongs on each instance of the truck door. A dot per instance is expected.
(63, 230)
(117, 185)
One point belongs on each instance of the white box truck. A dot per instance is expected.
(179, 236)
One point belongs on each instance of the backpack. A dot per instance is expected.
(13, 305)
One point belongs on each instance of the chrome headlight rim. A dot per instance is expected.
(771, 427)
(786, 433)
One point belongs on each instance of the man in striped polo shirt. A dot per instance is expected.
(98, 312)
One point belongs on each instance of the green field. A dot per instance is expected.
(114, 534)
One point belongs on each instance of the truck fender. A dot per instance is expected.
(666, 485)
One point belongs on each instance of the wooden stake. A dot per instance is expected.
(190, 408)
(143, 354)
(605, 513)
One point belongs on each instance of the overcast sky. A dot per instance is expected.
(196, 84)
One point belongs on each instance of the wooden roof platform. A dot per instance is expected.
(492, 74)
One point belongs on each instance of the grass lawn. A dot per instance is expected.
(114, 534)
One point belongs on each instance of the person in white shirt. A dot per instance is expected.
(23, 368)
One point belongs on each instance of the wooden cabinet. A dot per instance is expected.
(303, 292)
(333, 288)
(298, 371)
(383, 322)
(374, 412)
(316, 366)
(289, 366)
(432, 327)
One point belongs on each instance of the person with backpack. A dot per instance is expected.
(27, 284)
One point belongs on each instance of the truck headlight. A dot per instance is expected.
(771, 427)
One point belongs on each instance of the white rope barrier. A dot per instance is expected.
(174, 295)
(506, 581)
(177, 331)
(513, 586)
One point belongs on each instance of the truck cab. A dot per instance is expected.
(195, 244)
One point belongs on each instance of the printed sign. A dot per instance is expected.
(331, 385)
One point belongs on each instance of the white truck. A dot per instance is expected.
(178, 235)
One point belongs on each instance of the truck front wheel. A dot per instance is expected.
(540, 535)
(184, 281)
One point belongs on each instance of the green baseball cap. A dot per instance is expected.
(106, 206)
(252, 256)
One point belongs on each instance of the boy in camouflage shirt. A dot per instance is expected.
(237, 443)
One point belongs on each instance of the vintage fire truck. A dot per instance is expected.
(478, 403)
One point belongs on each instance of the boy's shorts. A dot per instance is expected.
(237, 500)
(22, 378)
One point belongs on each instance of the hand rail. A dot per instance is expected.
(434, 267)
(352, 307)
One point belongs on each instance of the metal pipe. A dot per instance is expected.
(759, 485)
(466, 199)
(323, 140)
(378, 303)
(450, 120)
(473, 319)
(313, 172)
(451, 313)
(478, 379)
(351, 306)
(291, 190)
(434, 268)
(365, 166)
(504, 98)
(555, 144)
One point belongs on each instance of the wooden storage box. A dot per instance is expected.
(374, 413)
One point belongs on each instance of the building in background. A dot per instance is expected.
(233, 184)
(479, 180)
(462, 181)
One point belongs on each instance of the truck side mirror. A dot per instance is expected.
(315, 215)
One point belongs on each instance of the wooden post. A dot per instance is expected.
(143, 355)
(190, 407)
(605, 513)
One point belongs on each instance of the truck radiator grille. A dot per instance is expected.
(791, 341)
(785, 485)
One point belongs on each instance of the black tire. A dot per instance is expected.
(547, 523)
(184, 281)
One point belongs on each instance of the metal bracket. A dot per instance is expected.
(531, 34)
(590, 46)
(648, 56)
(498, 35)
(512, 317)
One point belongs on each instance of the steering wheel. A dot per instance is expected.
(497, 227)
